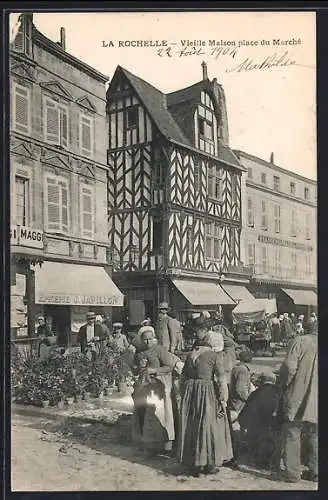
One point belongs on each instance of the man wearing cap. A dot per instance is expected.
(166, 331)
(117, 340)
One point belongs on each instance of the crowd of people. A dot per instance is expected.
(203, 406)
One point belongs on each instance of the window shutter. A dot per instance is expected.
(52, 122)
(86, 136)
(21, 109)
(53, 202)
(86, 211)
(64, 206)
(63, 127)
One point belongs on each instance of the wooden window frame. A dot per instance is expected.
(27, 200)
(61, 108)
(88, 234)
(127, 111)
(276, 183)
(214, 177)
(264, 215)
(211, 236)
(89, 153)
(250, 212)
(277, 218)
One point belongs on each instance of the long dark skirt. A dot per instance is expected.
(204, 437)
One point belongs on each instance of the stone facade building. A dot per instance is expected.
(58, 178)
(279, 238)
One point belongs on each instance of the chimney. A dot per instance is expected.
(272, 158)
(62, 38)
(204, 66)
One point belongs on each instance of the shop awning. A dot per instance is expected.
(72, 284)
(302, 297)
(201, 293)
(237, 292)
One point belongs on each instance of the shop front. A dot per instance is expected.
(65, 292)
(298, 301)
(189, 296)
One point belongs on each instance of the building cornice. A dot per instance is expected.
(279, 194)
(54, 149)
(273, 166)
(57, 50)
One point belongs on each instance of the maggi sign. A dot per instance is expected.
(26, 236)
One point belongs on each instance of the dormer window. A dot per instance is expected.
(205, 129)
(23, 40)
(206, 125)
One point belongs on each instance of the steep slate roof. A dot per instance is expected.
(183, 95)
(157, 103)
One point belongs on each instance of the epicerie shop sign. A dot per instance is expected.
(77, 300)
(26, 237)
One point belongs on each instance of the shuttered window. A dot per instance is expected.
(293, 223)
(251, 254)
(307, 226)
(21, 109)
(264, 258)
(264, 215)
(57, 196)
(56, 123)
(23, 38)
(87, 210)
(276, 218)
(21, 200)
(86, 135)
(250, 212)
(277, 261)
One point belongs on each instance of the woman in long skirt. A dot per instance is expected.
(204, 439)
(152, 421)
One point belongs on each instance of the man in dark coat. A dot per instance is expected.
(257, 422)
(166, 330)
(298, 409)
(90, 330)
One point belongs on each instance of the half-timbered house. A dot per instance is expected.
(174, 195)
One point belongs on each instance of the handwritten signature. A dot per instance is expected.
(271, 61)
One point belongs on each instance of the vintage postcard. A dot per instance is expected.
(163, 251)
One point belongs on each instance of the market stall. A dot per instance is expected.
(250, 320)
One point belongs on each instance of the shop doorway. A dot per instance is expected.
(60, 319)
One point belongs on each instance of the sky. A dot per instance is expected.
(269, 110)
